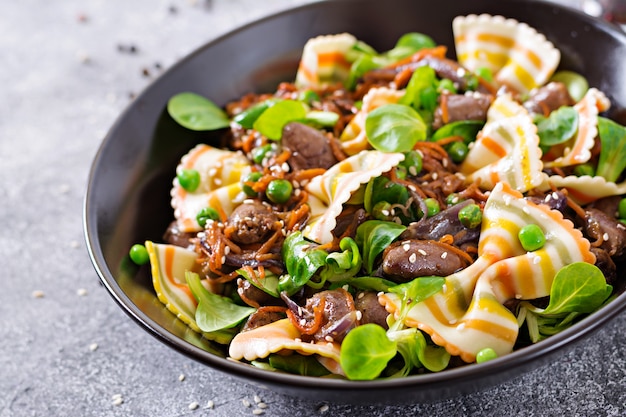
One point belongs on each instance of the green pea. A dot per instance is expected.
(531, 237)
(575, 83)
(447, 84)
(206, 214)
(260, 153)
(279, 191)
(253, 176)
(621, 208)
(412, 162)
(471, 216)
(432, 207)
(189, 179)
(584, 169)
(458, 151)
(382, 211)
(139, 254)
(454, 198)
(485, 355)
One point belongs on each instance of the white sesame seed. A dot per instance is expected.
(93, 347)
(248, 201)
(38, 294)
(81, 291)
(413, 170)
(359, 315)
(194, 405)
(297, 192)
(226, 250)
(329, 344)
(518, 296)
(74, 244)
(181, 377)
(212, 172)
(406, 247)
(412, 258)
(380, 293)
(412, 187)
(537, 260)
(64, 188)
(210, 404)
(526, 210)
(285, 167)
(444, 255)
(257, 411)
(302, 322)
(385, 212)
(223, 259)
(435, 176)
(245, 402)
(324, 408)
(548, 198)
(304, 183)
(360, 295)
(329, 338)
(297, 340)
(605, 237)
(257, 399)
(116, 396)
(555, 195)
(217, 181)
(261, 405)
(422, 252)
(118, 401)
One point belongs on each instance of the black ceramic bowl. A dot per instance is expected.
(128, 198)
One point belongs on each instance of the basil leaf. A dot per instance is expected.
(579, 287)
(195, 112)
(271, 122)
(365, 352)
(613, 149)
(214, 312)
(394, 128)
(373, 236)
(559, 127)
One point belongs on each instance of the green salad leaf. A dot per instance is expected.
(373, 236)
(298, 365)
(247, 117)
(421, 91)
(394, 128)
(195, 112)
(214, 312)
(467, 129)
(579, 287)
(270, 123)
(302, 261)
(365, 352)
(559, 127)
(613, 149)
(342, 265)
(268, 283)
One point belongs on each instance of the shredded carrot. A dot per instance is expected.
(443, 105)
(307, 174)
(436, 52)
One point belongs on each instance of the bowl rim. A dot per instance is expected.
(516, 359)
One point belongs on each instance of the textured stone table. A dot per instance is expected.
(67, 69)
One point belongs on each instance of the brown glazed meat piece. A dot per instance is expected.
(309, 147)
(544, 100)
(600, 226)
(456, 107)
(371, 310)
(408, 259)
(174, 236)
(251, 222)
(263, 316)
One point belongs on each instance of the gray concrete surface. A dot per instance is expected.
(66, 348)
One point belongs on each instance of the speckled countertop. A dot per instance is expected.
(67, 69)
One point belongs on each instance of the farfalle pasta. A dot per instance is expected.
(385, 212)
